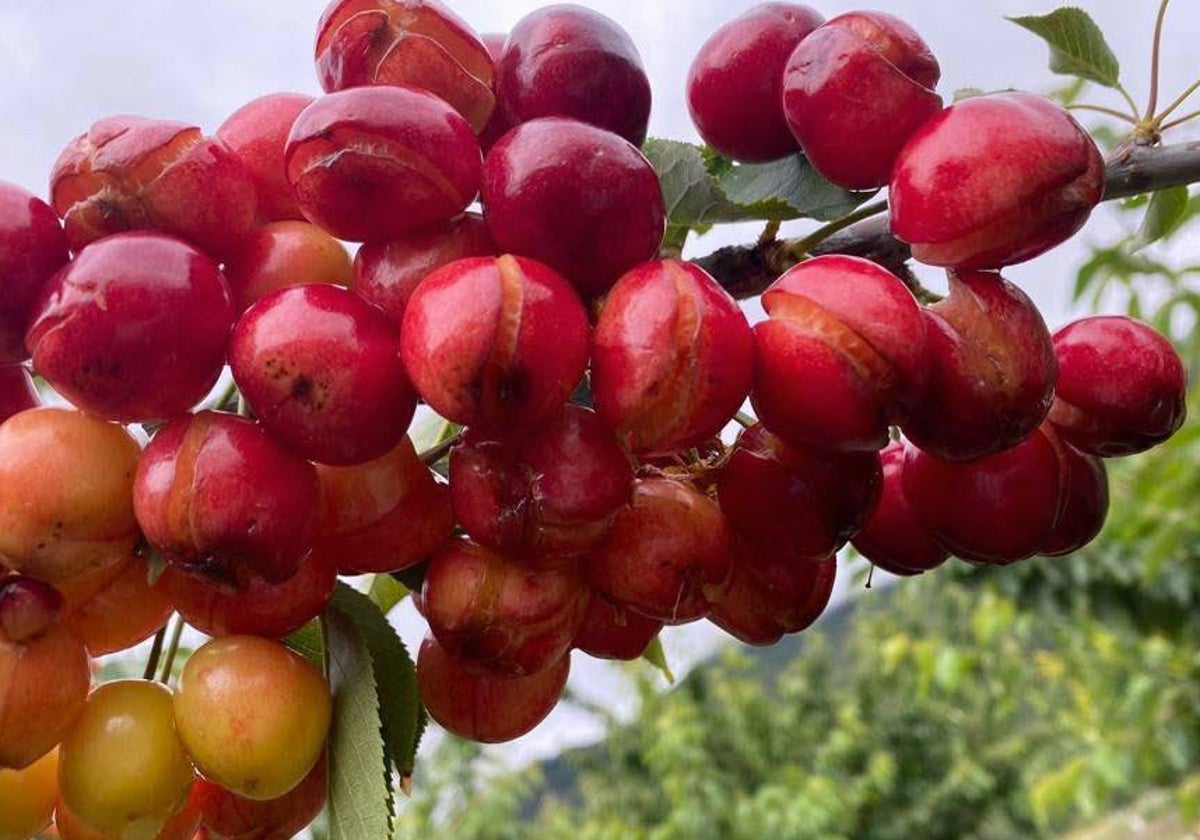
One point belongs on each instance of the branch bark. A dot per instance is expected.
(746, 270)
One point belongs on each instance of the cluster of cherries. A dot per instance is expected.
(590, 500)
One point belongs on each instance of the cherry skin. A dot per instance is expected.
(485, 709)
(1085, 500)
(66, 493)
(321, 370)
(1121, 386)
(498, 343)
(227, 816)
(124, 771)
(498, 124)
(994, 180)
(609, 631)
(672, 358)
(735, 83)
(991, 370)
(771, 596)
(130, 173)
(375, 163)
(115, 607)
(892, 537)
(842, 355)
(183, 826)
(216, 495)
(253, 714)
(282, 254)
(578, 198)
(33, 247)
(17, 393)
(568, 61)
(257, 133)
(135, 329)
(28, 797)
(420, 43)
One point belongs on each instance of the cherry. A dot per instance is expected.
(796, 501)
(16, 391)
(580, 199)
(609, 631)
(406, 42)
(132, 173)
(183, 826)
(735, 83)
(668, 555)
(115, 607)
(497, 616)
(383, 516)
(842, 355)
(32, 248)
(991, 370)
(553, 491)
(387, 274)
(994, 180)
(257, 133)
(66, 493)
(1121, 386)
(321, 370)
(892, 537)
(227, 816)
(498, 343)
(1085, 504)
(672, 358)
(771, 596)
(568, 61)
(135, 329)
(282, 254)
(850, 138)
(485, 709)
(123, 771)
(27, 798)
(376, 163)
(997, 509)
(498, 124)
(253, 714)
(216, 495)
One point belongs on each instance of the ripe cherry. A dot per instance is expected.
(227, 816)
(257, 133)
(28, 797)
(610, 631)
(115, 607)
(16, 391)
(771, 596)
(32, 248)
(1085, 505)
(282, 254)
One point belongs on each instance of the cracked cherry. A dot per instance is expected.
(33, 247)
(610, 631)
(772, 596)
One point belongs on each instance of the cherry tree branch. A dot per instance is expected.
(746, 270)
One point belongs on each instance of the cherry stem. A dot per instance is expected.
(1183, 97)
(1112, 112)
(770, 232)
(1155, 62)
(172, 650)
(870, 576)
(1133, 107)
(440, 450)
(801, 247)
(155, 653)
(1180, 120)
(745, 420)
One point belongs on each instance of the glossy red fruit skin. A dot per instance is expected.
(568, 61)
(551, 493)
(135, 329)
(257, 133)
(227, 816)
(421, 43)
(578, 198)
(773, 596)
(17, 393)
(1121, 386)
(994, 510)
(387, 273)
(321, 370)
(252, 606)
(796, 501)
(994, 180)
(668, 556)
(842, 355)
(672, 357)
(609, 631)
(115, 608)
(215, 494)
(497, 343)
(376, 163)
(131, 173)
(1085, 503)
(33, 247)
(991, 370)
(282, 254)
(735, 83)
(498, 616)
(851, 138)
(892, 537)
(499, 124)
(485, 709)
(383, 516)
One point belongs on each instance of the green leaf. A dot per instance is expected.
(793, 181)
(1163, 217)
(361, 802)
(657, 657)
(1077, 46)
(308, 642)
(387, 592)
(402, 715)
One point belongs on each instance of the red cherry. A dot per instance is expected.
(892, 537)
(33, 247)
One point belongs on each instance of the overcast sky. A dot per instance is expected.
(199, 61)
